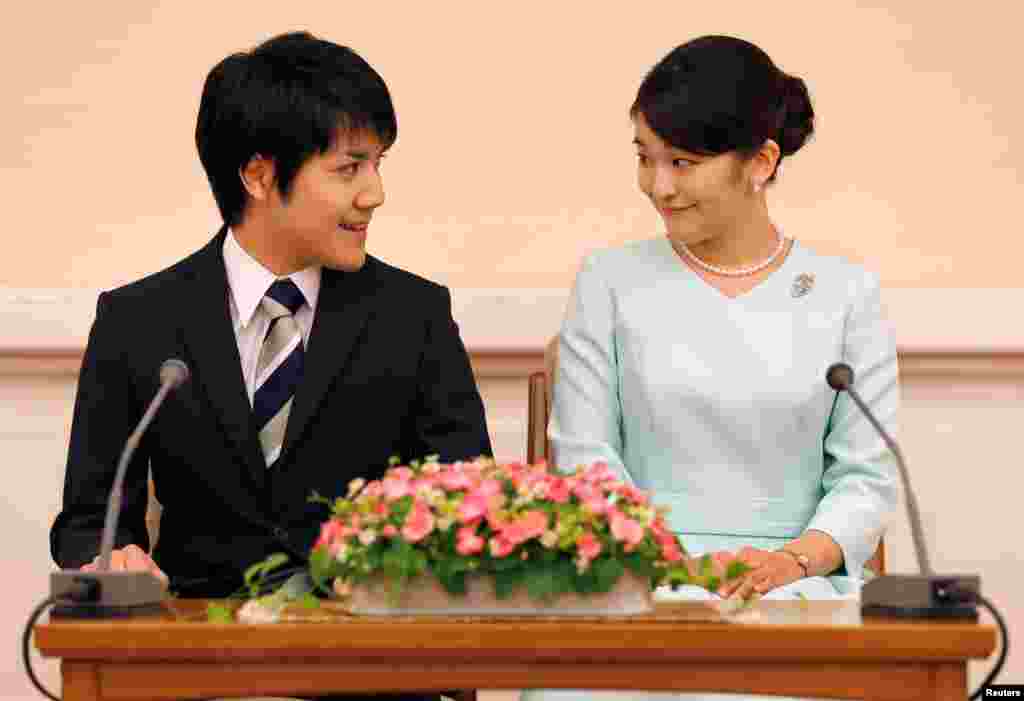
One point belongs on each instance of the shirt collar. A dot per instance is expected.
(249, 280)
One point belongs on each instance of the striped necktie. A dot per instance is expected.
(279, 368)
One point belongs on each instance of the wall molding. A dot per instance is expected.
(974, 331)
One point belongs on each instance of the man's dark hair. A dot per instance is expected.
(286, 100)
(717, 94)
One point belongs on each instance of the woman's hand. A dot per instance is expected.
(768, 569)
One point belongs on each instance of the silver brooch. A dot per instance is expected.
(803, 284)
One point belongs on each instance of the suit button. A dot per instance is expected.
(280, 533)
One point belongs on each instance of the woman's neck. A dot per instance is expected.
(746, 242)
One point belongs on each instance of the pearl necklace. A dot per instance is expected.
(737, 272)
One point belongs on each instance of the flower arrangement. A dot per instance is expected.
(522, 525)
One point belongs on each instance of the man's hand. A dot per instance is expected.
(130, 558)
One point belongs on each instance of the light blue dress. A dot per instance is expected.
(719, 406)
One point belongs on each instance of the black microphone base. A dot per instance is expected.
(76, 610)
(119, 594)
(922, 596)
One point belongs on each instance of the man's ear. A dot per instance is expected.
(258, 177)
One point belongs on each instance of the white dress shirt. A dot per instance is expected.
(248, 282)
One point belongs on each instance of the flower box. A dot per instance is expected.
(486, 539)
(424, 596)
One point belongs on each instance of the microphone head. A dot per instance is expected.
(173, 372)
(839, 377)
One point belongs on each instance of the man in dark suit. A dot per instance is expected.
(311, 362)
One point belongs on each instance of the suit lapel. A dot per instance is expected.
(209, 335)
(343, 307)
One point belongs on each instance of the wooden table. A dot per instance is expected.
(809, 648)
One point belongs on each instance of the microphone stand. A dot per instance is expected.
(924, 595)
(117, 593)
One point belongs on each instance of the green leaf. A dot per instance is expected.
(454, 583)
(736, 568)
(564, 579)
(677, 576)
(261, 569)
(505, 563)
(321, 566)
(585, 582)
(540, 584)
(606, 572)
(506, 581)
(706, 566)
(219, 613)
(641, 565)
(316, 498)
(309, 601)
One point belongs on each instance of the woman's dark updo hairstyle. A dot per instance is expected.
(717, 94)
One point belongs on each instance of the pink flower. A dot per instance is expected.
(489, 488)
(329, 532)
(501, 546)
(418, 523)
(473, 507)
(496, 520)
(589, 546)
(452, 480)
(632, 494)
(671, 552)
(423, 484)
(401, 473)
(389, 531)
(467, 542)
(395, 488)
(533, 524)
(558, 490)
(626, 530)
(596, 506)
(585, 492)
(599, 473)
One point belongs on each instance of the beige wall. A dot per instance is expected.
(514, 159)
(514, 155)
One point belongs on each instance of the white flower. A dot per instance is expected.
(259, 611)
(342, 554)
(549, 539)
(355, 485)
(367, 537)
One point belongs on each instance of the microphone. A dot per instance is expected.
(120, 593)
(926, 595)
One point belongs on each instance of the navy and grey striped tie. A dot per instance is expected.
(279, 368)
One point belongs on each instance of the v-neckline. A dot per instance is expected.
(699, 279)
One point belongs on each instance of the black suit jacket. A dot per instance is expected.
(385, 374)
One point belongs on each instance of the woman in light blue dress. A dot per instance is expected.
(694, 362)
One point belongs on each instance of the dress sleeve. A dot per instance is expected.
(860, 480)
(586, 415)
